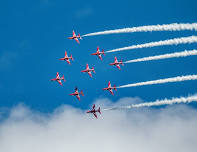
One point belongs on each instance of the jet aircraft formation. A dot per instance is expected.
(99, 53)
(87, 70)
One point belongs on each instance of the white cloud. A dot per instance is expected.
(69, 129)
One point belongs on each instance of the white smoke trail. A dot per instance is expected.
(188, 99)
(165, 56)
(176, 41)
(149, 28)
(160, 81)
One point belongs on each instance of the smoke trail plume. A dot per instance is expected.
(160, 81)
(188, 99)
(165, 56)
(149, 28)
(176, 41)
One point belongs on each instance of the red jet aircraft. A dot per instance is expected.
(110, 88)
(67, 58)
(94, 111)
(77, 93)
(116, 63)
(75, 37)
(88, 70)
(98, 53)
(58, 79)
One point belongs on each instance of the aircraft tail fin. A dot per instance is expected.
(99, 110)
(63, 78)
(80, 36)
(82, 93)
(93, 69)
(103, 52)
(65, 54)
(71, 57)
(115, 87)
(122, 63)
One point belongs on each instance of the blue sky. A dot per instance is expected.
(33, 38)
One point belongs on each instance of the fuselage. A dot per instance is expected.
(67, 58)
(92, 111)
(97, 53)
(88, 70)
(55, 79)
(74, 37)
(108, 88)
(75, 93)
(116, 63)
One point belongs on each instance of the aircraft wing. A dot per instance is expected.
(68, 61)
(78, 97)
(100, 57)
(109, 84)
(74, 33)
(90, 74)
(118, 66)
(116, 60)
(66, 54)
(57, 75)
(59, 82)
(87, 67)
(111, 92)
(76, 39)
(95, 114)
(93, 107)
(97, 48)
